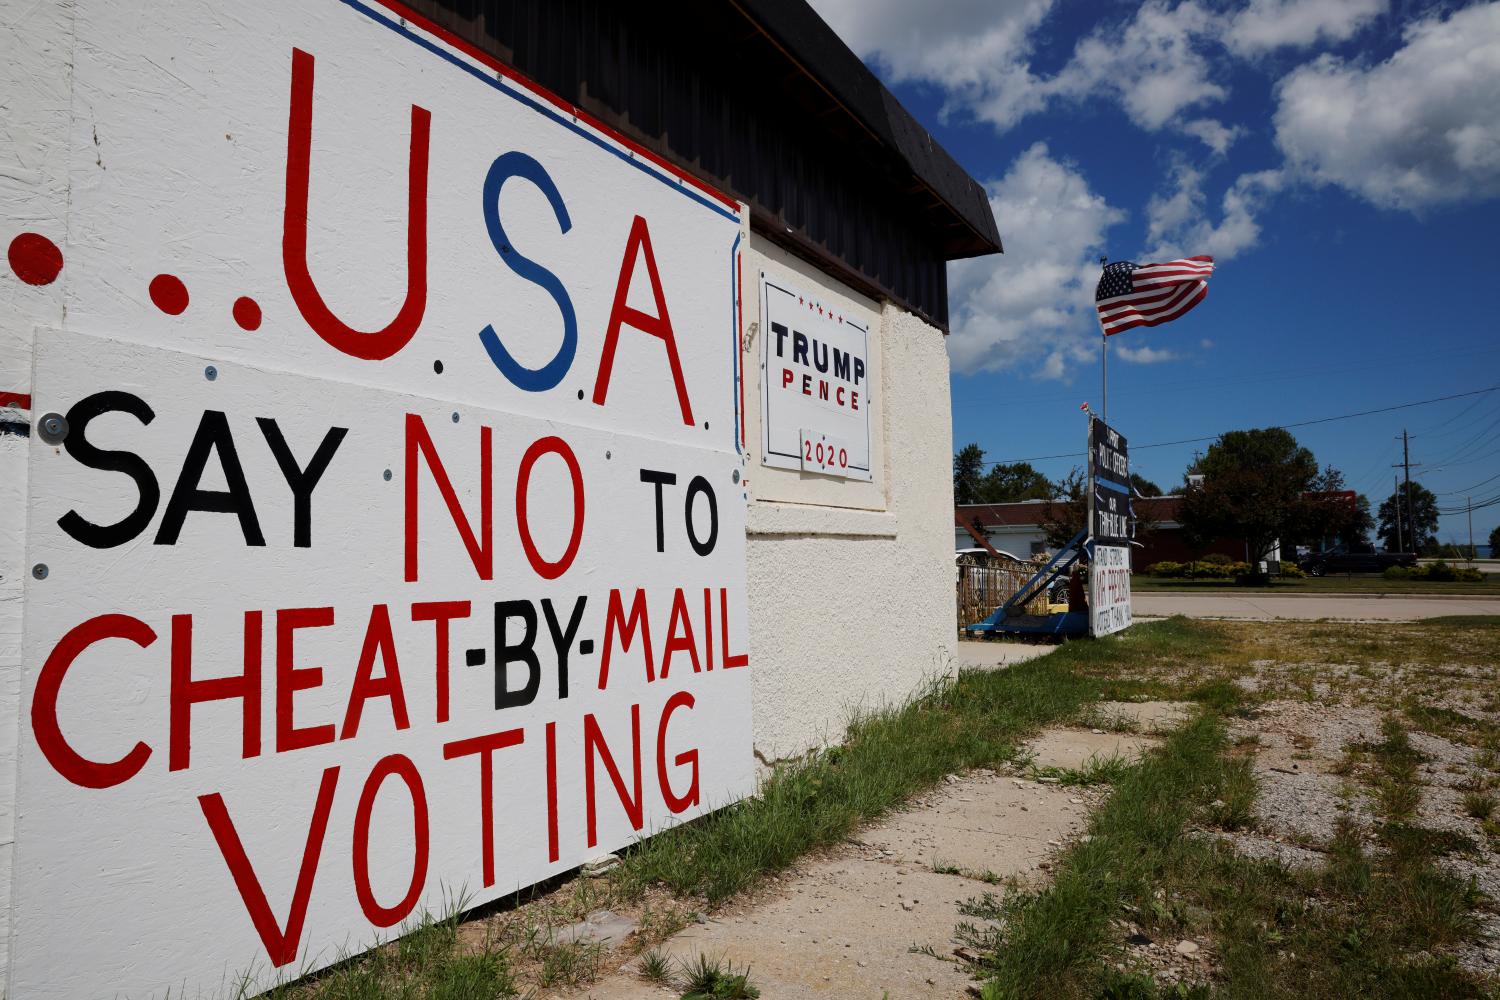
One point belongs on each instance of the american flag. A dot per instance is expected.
(1132, 295)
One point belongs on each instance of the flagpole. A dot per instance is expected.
(1104, 363)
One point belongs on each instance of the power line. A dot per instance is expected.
(1467, 489)
(1300, 423)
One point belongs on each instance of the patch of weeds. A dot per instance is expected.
(1116, 721)
(427, 962)
(659, 922)
(713, 979)
(1411, 844)
(1233, 805)
(1479, 805)
(1096, 770)
(655, 966)
(987, 877)
(1396, 785)
(572, 963)
(1139, 986)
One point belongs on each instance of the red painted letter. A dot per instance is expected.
(482, 550)
(441, 612)
(281, 945)
(402, 767)
(375, 345)
(377, 638)
(593, 743)
(290, 679)
(49, 738)
(615, 620)
(659, 325)
(187, 692)
(557, 446)
(486, 746)
(676, 803)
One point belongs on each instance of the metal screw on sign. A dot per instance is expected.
(210, 373)
(735, 475)
(39, 571)
(607, 456)
(387, 475)
(52, 428)
(455, 416)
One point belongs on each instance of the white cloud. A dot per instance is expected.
(1143, 355)
(1033, 305)
(978, 51)
(1217, 136)
(1177, 222)
(1155, 65)
(1420, 129)
(1264, 25)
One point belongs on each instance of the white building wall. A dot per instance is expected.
(35, 56)
(851, 607)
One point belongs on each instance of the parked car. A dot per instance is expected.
(1354, 561)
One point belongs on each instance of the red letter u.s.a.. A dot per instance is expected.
(374, 345)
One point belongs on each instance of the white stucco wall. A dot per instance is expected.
(37, 87)
(851, 609)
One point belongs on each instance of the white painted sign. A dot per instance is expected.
(1109, 590)
(816, 374)
(395, 548)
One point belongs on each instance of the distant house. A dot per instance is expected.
(1016, 529)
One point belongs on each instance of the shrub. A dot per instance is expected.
(1165, 568)
(1218, 559)
(1439, 571)
(1291, 570)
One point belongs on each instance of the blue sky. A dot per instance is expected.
(1341, 160)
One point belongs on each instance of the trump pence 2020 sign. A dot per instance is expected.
(394, 547)
(816, 377)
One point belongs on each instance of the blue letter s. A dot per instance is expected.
(517, 164)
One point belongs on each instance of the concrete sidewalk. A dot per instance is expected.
(1307, 607)
(876, 915)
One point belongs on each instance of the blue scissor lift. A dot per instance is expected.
(1010, 619)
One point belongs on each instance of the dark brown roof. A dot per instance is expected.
(976, 516)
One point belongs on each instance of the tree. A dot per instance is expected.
(1254, 487)
(1348, 524)
(1495, 543)
(1066, 509)
(1409, 528)
(968, 474)
(1003, 483)
(1144, 486)
(1009, 483)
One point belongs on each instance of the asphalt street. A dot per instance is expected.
(1255, 606)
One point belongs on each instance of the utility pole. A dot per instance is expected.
(1411, 512)
(1396, 496)
(1469, 509)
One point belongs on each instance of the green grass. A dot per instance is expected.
(1056, 942)
(713, 979)
(1360, 584)
(1365, 923)
(977, 720)
(427, 963)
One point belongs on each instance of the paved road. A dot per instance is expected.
(1256, 606)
